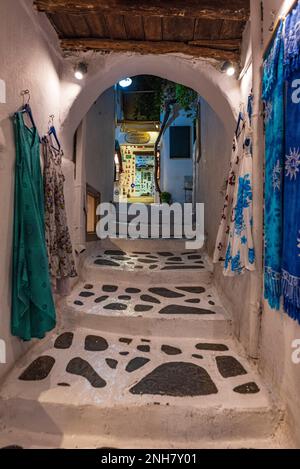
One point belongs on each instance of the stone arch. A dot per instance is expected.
(221, 92)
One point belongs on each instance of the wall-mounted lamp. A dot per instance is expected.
(125, 82)
(228, 68)
(80, 70)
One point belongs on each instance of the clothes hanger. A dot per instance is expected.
(240, 119)
(52, 131)
(26, 107)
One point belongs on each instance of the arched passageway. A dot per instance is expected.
(220, 92)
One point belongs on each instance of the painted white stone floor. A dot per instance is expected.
(118, 373)
(67, 403)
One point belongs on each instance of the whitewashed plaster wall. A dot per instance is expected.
(173, 171)
(212, 170)
(26, 62)
(279, 331)
(99, 146)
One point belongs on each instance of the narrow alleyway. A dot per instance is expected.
(143, 353)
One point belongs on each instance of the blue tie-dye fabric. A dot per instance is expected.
(273, 96)
(291, 225)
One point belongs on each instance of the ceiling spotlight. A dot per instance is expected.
(80, 70)
(228, 68)
(125, 82)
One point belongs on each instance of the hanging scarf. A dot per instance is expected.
(273, 96)
(240, 253)
(224, 228)
(292, 42)
(291, 226)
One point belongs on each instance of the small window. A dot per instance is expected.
(92, 202)
(180, 142)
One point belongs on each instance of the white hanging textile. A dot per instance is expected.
(234, 245)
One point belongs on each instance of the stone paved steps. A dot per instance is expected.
(148, 267)
(191, 310)
(158, 389)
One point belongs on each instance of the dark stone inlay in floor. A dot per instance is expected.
(199, 357)
(12, 447)
(249, 388)
(112, 363)
(136, 364)
(86, 294)
(100, 299)
(132, 290)
(124, 297)
(95, 343)
(38, 370)
(147, 341)
(193, 301)
(78, 303)
(168, 350)
(138, 267)
(165, 293)
(144, 348)
(109, 288)
(166, 254)
(64, 341)
(142, 253)
(142, 308)
(124, 340)
(79, 367)
(153, 267)
(106, 262)
(121, 258)
(193, 290)
(175, 259)
(183, 267)
(150, 299)
(194, 257)
(88, 286)
(116, 307)
(213, 347)
(178, 380)
(212, 303)
(229, 367)
(151, 257)
(64, 385)
(124, 354)
(178, 309)
(113, 252)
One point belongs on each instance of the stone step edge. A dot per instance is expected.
(194, 422)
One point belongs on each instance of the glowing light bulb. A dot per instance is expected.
(125, 82)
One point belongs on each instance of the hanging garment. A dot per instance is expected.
(291, 221)
(240, 253)
(273, 96)
(224, 228)
(33, 311)
(59, 246)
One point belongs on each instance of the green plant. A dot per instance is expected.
(166, 198)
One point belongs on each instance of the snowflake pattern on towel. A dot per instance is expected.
(292, 164)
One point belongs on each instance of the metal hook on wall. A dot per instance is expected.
(51, 120)
(25, 93)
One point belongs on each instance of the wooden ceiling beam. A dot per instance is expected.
(223, 44)
(148, 47)
(234, 10)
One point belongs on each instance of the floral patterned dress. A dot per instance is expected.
(235, 239)
(59, 246)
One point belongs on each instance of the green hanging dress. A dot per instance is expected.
(33, 310)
